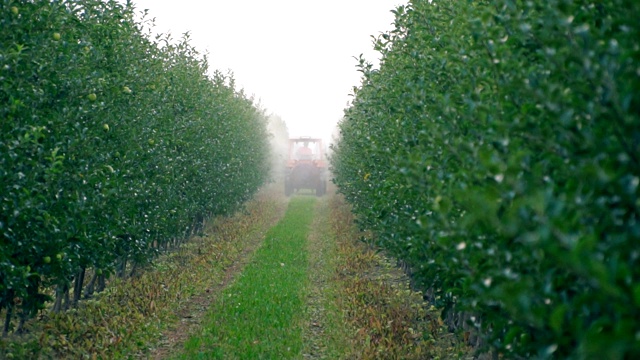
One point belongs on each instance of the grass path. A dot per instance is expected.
(314, 291)
(191, 313)
(260, 315)
(325, 336)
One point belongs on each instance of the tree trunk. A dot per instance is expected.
(62, 291)
(101, 283)
(122, 265)
(7, 321)
(429, 295)
(57, 304)
(77, 289)
(495, 355)
(23, 319)
(67, 301)
(88, 291)
(134, 267)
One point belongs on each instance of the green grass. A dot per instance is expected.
(332, 341)
(260, 315)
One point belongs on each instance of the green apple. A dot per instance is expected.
(105, 127)
(47, 259)
(56, 36)
(92, 97)
(14, 10)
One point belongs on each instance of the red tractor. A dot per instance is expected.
(306, 166)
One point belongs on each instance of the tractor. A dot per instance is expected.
(306, 167)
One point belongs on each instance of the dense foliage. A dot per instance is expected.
(497, 150)
(112, 145)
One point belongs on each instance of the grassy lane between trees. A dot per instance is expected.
(315, 291)
(325, 336)
(260, 315)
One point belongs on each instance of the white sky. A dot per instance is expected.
(296, 57)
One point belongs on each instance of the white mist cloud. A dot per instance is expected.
(295, 56)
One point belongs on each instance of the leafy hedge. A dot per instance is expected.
(497, 150)
(112, 146)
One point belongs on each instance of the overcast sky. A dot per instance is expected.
(296, 57)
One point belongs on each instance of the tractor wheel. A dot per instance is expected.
(288, 188)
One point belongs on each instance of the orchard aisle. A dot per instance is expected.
(191, 315)
(260, 315)
(282, 279)
(312, 290)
